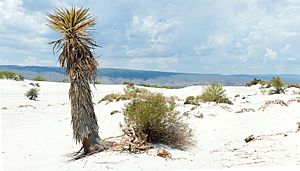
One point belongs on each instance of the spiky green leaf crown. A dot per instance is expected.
(72, 22)
(75, 26)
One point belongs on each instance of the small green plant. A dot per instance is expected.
(154, 116)
(278, 85)
(214, 93)
(32, 94)
(11, 75)
(39, 78)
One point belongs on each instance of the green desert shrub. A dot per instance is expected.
(191, 100)
(278, 85)
(39, 78)
(255, 81)
(224, 100)
(32, 94)
(128, 83)
(214, 93)
(156, 86)
(154, 116)
(11, 75)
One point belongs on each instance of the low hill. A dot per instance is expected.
(118, 76)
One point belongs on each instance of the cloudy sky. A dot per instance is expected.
(200, 36)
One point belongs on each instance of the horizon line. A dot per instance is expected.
(250, 74)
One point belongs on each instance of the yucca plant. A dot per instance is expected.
(32, 94)
(77, 58)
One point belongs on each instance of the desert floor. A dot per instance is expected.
(37, 135)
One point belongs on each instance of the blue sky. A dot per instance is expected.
(200, 36)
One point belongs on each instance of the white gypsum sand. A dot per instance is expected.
(37, 135)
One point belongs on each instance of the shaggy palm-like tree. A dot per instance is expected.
(77, 58)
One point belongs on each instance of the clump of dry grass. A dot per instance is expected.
(293, 85)
(130, 92)
(296, 92)
(39, 78)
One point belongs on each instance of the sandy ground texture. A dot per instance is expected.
(37, 135)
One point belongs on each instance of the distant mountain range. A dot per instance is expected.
(118, 76)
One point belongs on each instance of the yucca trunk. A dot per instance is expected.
(84, 121)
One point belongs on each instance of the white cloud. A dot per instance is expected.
(286, 48)
(238, 45)
(219, 40)
(291, 59)
(290, 34)
(15, 18)
(196, 33)
(23, 33)
(154, 31)
(270, 54)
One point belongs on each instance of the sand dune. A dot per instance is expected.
(37, 135)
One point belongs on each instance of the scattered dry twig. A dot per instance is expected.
(130, 141)
(27, 106)
(114, 112)
(163, 153)
(250, 138)
(245, 110)
(268, 103)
